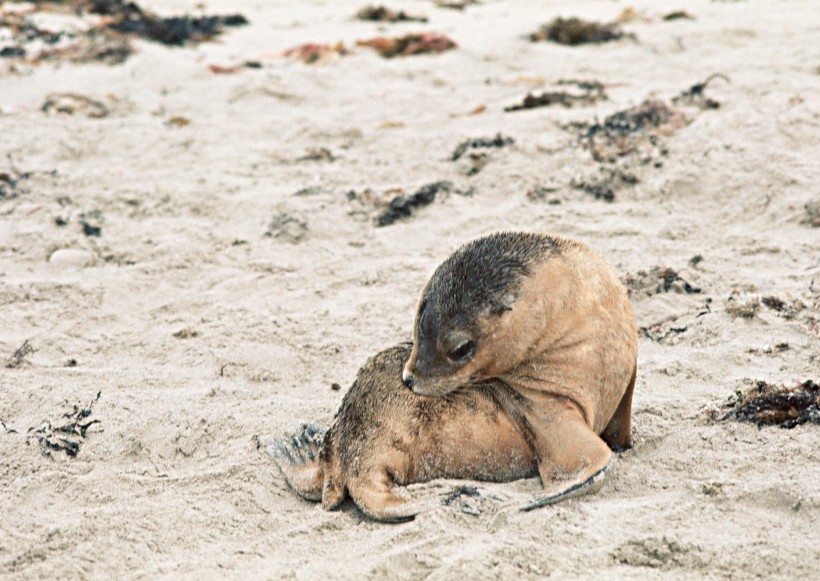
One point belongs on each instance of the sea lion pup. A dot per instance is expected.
(549, 318)
(385, 435)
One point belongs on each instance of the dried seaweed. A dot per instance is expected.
(661, 331)
(69, 436)
(19, 356)
(73, 103)
(461, 499)
(313, 53)
(605, 183)
(743, 308)
(409, 44)
(678, 15)
(812, 214)
(591, 93)
(11, 183)
(288, 226)
(104, 41)
(383, 14)
(657, 280)
(402, 207)
(629, 130)
(766, 404)
(575, 31)
(696, 96)
(483, 142)
(129, 18)
(455, 4)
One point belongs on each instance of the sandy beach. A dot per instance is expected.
(191, 264)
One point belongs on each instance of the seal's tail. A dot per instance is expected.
(297, 457)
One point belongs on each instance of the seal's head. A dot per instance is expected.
(471, 316)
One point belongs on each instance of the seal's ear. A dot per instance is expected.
(503, 305)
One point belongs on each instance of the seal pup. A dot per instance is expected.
(548, 317)
(385, 435)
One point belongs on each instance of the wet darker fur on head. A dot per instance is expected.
(482, 273)
(482, 277)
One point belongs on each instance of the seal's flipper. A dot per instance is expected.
(570, 455)
(588, 486)
(618, 432)
(375, 497)
(298, 459)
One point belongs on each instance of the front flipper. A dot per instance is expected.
(572, 459)
(298, 459)
(588, 486)
(375, 497)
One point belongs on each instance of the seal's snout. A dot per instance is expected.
(407, 379)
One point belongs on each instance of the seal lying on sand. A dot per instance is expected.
(385, 435)
(524, 363)
(550, 319)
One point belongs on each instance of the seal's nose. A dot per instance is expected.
(407, 379)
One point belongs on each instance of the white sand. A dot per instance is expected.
(171, 482)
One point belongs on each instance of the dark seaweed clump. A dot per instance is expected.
(402, 207)
(68, 436)
(575, 31)
(497, 141)
(175, 30)
(767, 404)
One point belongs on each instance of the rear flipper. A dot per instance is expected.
(572, 459)
(375, 497)
(590, 485)
(298, 459)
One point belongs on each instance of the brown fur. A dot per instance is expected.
(385, 435)
(549, 318)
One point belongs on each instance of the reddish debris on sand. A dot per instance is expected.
(312, 53)
(409, 44)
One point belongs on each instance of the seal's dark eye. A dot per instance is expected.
(463, 353)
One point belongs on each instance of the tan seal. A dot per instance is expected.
(384, 436)
(549, 318)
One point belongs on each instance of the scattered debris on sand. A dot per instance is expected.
(409, 44)
(632, 129)
(69, 436)
(102, 37)
(72, 104)
(455, 4)
(657, 280)
(177, 121)
(317, 154)
(812, 213)
(11, 183)
(185, 333)
(787, 309)
(129, 18)
(92, 222)
(462, 498)
(575, 31)
(678, 15)
(544, 192)
(474, 161)
(663, 331)
(767, 404)
(288, 226)
(483, 142)
(383, 14)
(402, 207)
(631, 14)
(695, 95)
(587, 93)
(314, 54)
(603, 184)
(19, 356)
(745, 308)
